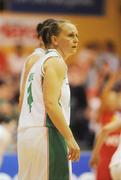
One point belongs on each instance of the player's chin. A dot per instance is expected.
(74, 50)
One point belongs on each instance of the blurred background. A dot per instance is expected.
(93, 72)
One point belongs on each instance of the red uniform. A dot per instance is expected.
(107, 150)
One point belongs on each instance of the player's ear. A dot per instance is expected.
(54, 40)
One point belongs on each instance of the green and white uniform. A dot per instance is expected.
(42, 151)
(37, 52)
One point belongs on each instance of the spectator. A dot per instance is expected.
(7, 127)
(16, 60)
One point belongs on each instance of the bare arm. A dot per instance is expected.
(113, 78)
(54, 74)
(107, 89)
(110, 127)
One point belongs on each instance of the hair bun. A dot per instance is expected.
(39, 27)
(45, 25)
(45, 31)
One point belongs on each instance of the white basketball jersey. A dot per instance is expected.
(37, 51)
(33, 111)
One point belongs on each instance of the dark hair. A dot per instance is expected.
(117, 86)
(110, 46)
(5, 119)
(38, 29)
(40, 26)
(51, 29)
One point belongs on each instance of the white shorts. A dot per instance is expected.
(32, 154)
(42, 155)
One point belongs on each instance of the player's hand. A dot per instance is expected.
(74, 150)
(94, 161)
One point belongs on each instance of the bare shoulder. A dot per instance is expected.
(55, 64)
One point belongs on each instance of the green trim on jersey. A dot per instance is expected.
(30, 98)
(58, 160)
(29, 92)
(48, 51)
(31, 77)
(49, 122)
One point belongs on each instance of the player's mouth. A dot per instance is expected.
(74, 47)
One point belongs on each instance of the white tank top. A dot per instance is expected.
(33, 111)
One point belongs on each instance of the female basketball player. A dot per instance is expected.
(35, 56)
(115, 124)
(45, 141)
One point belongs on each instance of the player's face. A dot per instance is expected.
(68, 39)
